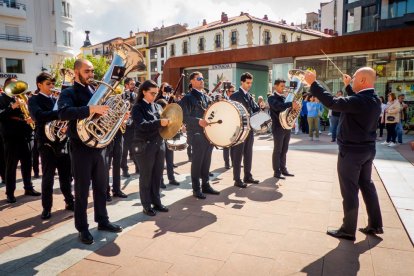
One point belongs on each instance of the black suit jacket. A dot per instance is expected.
(41, 111)
(194, 104)
(73, 106)
(13, 126)
(359, 116)
(277, 104)
(246, 100)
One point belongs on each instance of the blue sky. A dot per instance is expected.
(111, 18)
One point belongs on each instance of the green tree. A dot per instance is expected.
(100, 65)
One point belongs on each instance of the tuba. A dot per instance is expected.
(98, 131)
(56, 130)
(288, 117)
(18, 89)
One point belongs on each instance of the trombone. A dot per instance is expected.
(18, 89)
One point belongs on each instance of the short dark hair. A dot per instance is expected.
(279, 81)
(8, 80)
(43, 77)
(246, 76)
(194, 74)
(127, 80)
(401, 95)
(163, 103)
(78, 63)
(145, 86)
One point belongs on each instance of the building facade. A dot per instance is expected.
(35, 36)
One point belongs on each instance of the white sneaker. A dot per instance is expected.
(329, 134)
(384, 143)
(391, 145)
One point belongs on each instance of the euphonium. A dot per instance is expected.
(288, 117)
(56, 130)
(98, 131)
(18, 89)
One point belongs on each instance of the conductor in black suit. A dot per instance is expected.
(281, 136)
(356, 140)
(244, 150)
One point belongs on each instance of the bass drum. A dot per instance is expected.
(260, 122)
(228, 123)
(177, 143)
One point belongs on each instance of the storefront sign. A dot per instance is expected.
(5, 76)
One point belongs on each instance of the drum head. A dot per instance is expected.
(227, 132)
(258, 119)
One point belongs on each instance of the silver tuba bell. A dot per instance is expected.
(288, 117)
(56, 130)
(98, 131)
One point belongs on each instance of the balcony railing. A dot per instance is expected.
(13, 5)
(27, 39)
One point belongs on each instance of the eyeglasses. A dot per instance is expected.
(199, 78)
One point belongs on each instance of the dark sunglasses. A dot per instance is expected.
(199, 78)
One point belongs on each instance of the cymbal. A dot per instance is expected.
(174, 113)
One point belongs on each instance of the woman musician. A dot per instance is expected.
(149, 148)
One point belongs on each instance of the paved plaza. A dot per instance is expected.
(274, 228)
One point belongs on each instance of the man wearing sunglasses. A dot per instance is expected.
(194, 105)
(244, 150)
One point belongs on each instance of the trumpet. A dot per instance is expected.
(18, 89)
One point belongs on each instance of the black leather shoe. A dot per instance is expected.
(110, 227)
(227, 167)
(149, 212)
(240, 184)
(120, 194)
(108, 198)
(175, 166)
(210, 174)
(286, 173)
(46, 214)
(278, 175)
(11, 199)
(86, 237)
(371, 230)
(199, 195)
(162, 186)
(126, 174)
(209, 190)
(136, 171)
(333, 140)
(161, 208)
(70, 206)
(340, 234)
(251, 180)
(36, 176)
(174, 182)
(32, 192)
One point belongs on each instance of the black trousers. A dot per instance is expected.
(304, 124)
(281, 138)
(89, 166)
(354, 172)
(169, 160)
(189, 147)
(127, 147)
(151, 164)
(17, 150)
(35, 157)
(51, 162)
(242, 151)
(113, 156)
(2, 161)
(226, 156)
(201, 161)
(391, 132)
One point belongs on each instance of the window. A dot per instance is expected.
(14, 65)
(66, 9)
(398, 8)
(139, 40)
(283, 38)
(368, 21)
(351, 1)
(410, 6)
(162, 65)
(217, 41)
(162, 52)
(350, 20)
(145, 40)
(10, 3)
(185, 47)
(266, 38)
(67, 38)
(201, 43)
(234, 38)
(172, 50)
(298, 38)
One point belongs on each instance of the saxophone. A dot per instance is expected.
(288, 117)
(98, 131)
